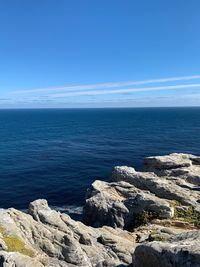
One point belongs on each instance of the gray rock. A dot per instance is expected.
(131, 193)
(3, 245)
(162, 187)
(172, 161)
(182, 250)
(58, 241)
(118, 205)
(14, 259)
(185, 166)
(36, 206)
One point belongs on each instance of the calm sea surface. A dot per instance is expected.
(56, 154)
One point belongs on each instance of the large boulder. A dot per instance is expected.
(181, 250)
(171, 188)
(122, 205)
(184, 166)
(172, 161)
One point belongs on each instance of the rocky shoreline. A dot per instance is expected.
(139, 219)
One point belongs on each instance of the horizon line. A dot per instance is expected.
(125, 107)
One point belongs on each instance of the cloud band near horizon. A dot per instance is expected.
(129, 90)
(102, 86)
(110, 93)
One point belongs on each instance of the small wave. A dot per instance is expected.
(69, 209)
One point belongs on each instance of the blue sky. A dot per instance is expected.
(99, 53)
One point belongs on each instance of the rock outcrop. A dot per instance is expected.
(119, 204)
(139, 219)
(181, 250)
(184, 166)
(130, 193)
(47, 237)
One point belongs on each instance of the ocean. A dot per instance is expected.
(56, 153)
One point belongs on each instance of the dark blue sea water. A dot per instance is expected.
(56, 154)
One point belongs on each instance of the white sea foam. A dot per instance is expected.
(69, 209)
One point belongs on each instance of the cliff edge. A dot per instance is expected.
(139, 219)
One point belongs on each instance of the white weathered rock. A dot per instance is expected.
(14, 259)
(117, 204)
(3, 245)
(57, 240)
(172, 161)
(184, 166)
(182, 250)
(163, 187)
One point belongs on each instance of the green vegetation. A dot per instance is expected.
(15, 244)
(157, 237)
(175, 203)
(143, 218)
(188, 214)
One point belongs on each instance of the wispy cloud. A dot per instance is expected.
(129, 90)
(174, 90)
(102, 86)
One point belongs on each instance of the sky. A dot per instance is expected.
(99, 53)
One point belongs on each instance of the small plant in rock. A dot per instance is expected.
(143, 218)
(188, 214)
